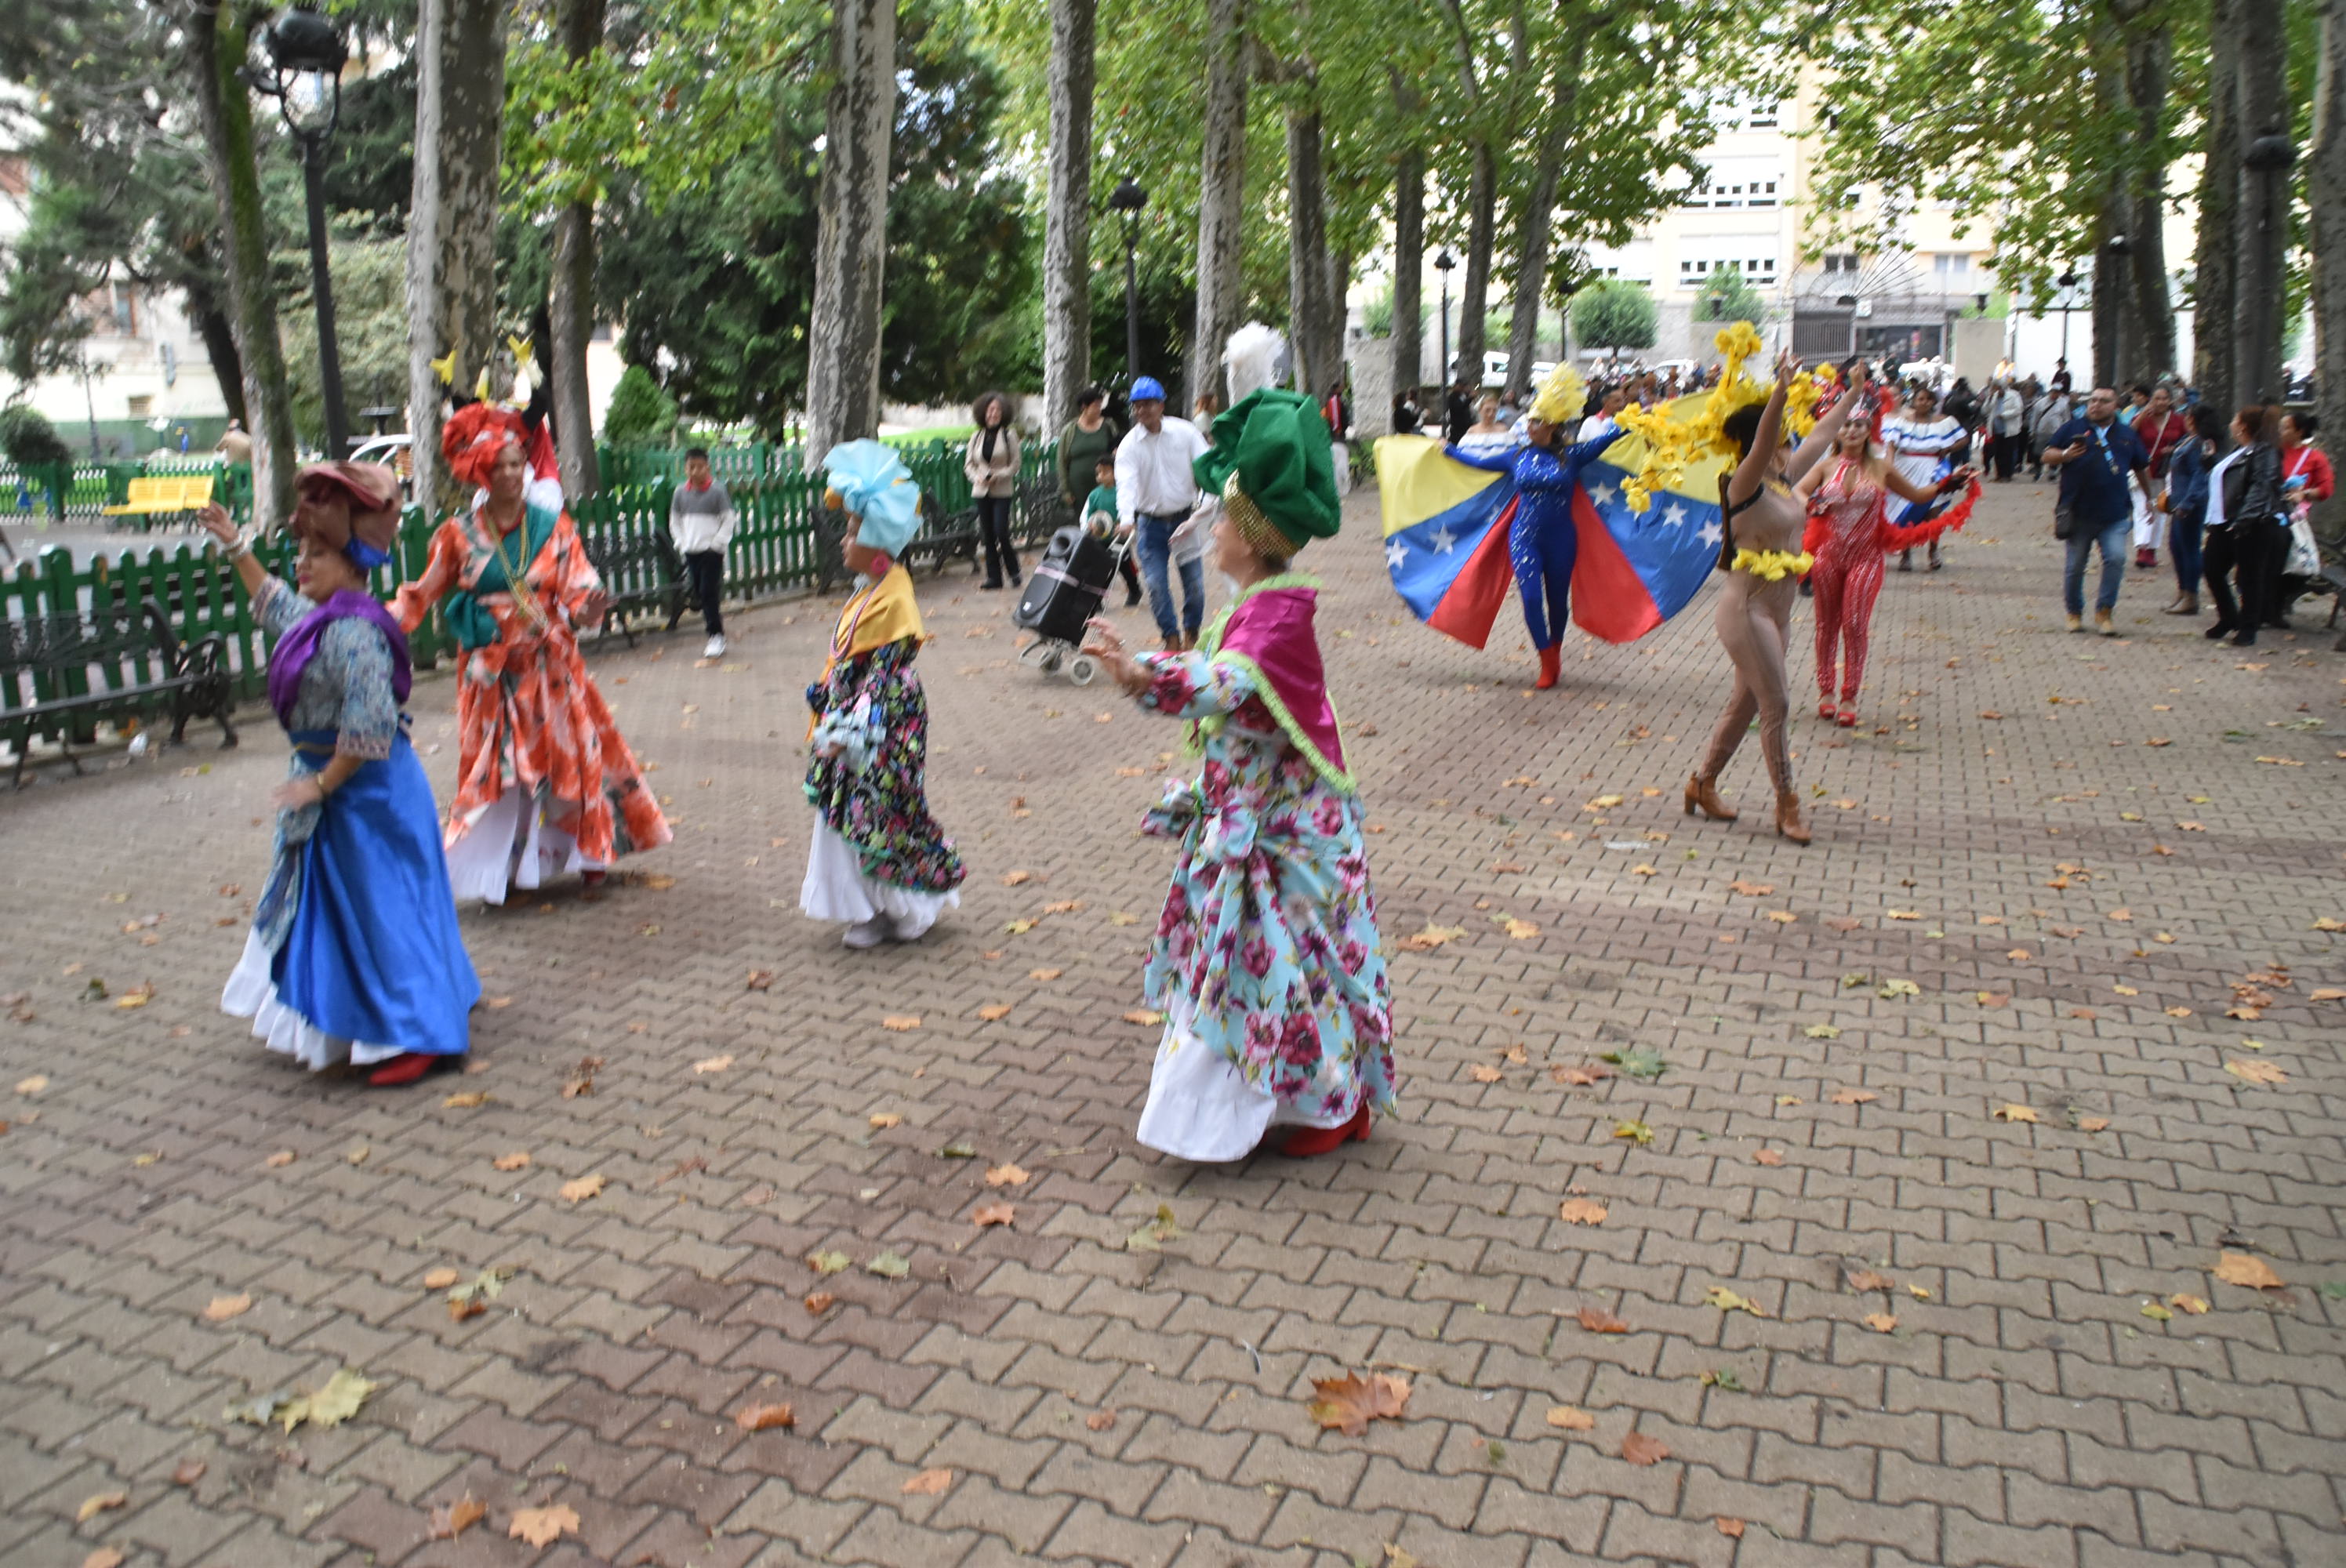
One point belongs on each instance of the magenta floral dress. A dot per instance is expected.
(1267, 951)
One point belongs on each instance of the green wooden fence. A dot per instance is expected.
(775, 549)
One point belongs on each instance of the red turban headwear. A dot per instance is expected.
(473, 436)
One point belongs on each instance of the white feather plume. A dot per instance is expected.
(1252, 359)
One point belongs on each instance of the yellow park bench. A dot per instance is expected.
(175, 493)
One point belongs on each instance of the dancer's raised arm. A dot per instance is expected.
(1749, 475)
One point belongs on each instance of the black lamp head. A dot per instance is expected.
(1444, 261)
(302, 40)
(1130, 196)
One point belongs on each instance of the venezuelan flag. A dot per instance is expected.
(1446, 538)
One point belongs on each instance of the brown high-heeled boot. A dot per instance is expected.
(1704, 793)
(1788, 818)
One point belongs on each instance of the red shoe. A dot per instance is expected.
(404, 1068)
(1305, 1141)
(1825, 708)
(1551, 666)
(590, 881)
(1848, 720)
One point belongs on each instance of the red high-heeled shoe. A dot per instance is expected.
(1848, 720)
(1825, 708)
(406, 1068)
(1305, 1141)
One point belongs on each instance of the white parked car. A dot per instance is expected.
(1494, 369)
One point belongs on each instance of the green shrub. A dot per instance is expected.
(641, 414)
(29, 440)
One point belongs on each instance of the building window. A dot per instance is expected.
(1841, 261)
(1952, 265)
(1763, 116)
(142, 406)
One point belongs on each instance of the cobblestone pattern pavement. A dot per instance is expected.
(2071, 849)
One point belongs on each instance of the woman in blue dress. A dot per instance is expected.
(353, 954)
(1543, 541)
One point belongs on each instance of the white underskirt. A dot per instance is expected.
(510, 844)
(252, 993)
(836, 889)
(1201, 1108)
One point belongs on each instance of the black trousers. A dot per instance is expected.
(993, 532)
(705, 570)
(2245, 551)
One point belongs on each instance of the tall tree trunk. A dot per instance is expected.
(1318, 324)
(451, 226)
(219, 345)
(2214, 294)
(2263, 224)
(1067, 223)
(571, 305)
(1222, 196)
(2325, 193)
(217, 42)
(1409, 245)
(1474, 292)
(1539, 204)
(2149, 60)
(852, 239)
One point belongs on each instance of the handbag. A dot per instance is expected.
(2304, 553)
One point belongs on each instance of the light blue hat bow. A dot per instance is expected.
(878, 488)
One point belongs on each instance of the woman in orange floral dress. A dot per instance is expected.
(546, 784)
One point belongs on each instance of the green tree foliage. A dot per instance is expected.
(370, 278)
(1728, 298)
(715, 286)
(641, 414)
(29, 440)
(1614, 313)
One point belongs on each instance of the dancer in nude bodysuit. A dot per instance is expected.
(1763, 521)
(1848, 496)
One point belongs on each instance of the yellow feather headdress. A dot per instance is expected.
(1561, 397)
(1672, 443)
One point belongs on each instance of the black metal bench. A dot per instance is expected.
(642, 574)
(59, 674)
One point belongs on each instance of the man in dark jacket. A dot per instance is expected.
(2095, 455)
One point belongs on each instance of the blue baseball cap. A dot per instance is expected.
(1147, 389)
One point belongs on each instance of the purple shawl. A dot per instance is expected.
(295, 649)
(1272, 628)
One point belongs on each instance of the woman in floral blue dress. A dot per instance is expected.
(1266, 959)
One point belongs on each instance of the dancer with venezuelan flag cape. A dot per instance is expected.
(1568, 524)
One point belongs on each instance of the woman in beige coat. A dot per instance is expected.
(991, 461)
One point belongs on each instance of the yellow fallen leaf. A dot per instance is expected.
(1571, 1418)
(468, 1100)
(1485, 1073)
(1144, 1015)
(1880, 1322)
(98, 1504)
(279, 1160)
(224, 1307)
(1918, 1292)
(1520, 930)
(2255, 1072)
(1782, 917)
(2155, 1312)
(358, 1155)
(712, 1064)
(994, 1011)
(440, 1278)
(1582, 1211)
(928, 1483)
(542, 1526)
(1013, 879)
(1044, 973)
(1726, 1300)
(2191, 1304)
(2015, 1114)
(1006, 1175)
(513, 1162)
(885, 1119)
(1643, 871)
(899, 1023)
(2240, 1269)
(2126, 991)
(583, 1189)
(31, 1086)
(1906, 914)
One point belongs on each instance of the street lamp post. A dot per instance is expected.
(1442, 264)
(1129, 199)
(308, 52)
(2068, 281)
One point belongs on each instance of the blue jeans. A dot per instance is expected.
(1154, 535)
(2112, 542)
(2183, 546)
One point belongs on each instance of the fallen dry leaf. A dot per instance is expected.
(2191, 1304)
(1843, 923)
(1580, 1077)
(2255, 1072)
(712, 1064)
(1147, 1015)
(468, 1100)
(279, 1160)
(1750, 890)
(2239, 1268)
(1524, 930)
(1582, 1211)
(820, 1302)
(994, 1011)
(1852, 1096)
(929, 1483)
(1866, 1279)
(761, 979)
(1731, 1528)
(224, 1307)
(1597, 1321)
(583, 1189)
(1639, 1449)
(98, 1504)
(1571, 1418)
(450, 1519)
(188, 1471)
(440, 1278)
(1482, 1072)
(1726, 1300)
(1349, 1403)
(1016, 878)
(1006, 1175)
(1880, 1322)
(517, 1160)
(2093, 1124)
(358, 1157)
(1044, 973)
(1100, 1421)
(760, 1417)
(103, 1557)
(883, 1120)
(996, 1213)
(542, 1526)
(31, 1086)
(1769, 1157)
(2326, 994)
(2015, 1114)
(900, 1024)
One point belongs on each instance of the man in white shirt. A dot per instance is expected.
(1156, 490)
(1922, 443)
(1597, 423)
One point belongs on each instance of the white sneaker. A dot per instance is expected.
(871, 934)
(716, 648)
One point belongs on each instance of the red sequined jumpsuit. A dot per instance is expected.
(1847, 572)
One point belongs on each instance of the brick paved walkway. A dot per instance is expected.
(2040, 872)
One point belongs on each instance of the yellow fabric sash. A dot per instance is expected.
(874, 617)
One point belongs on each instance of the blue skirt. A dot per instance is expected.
(373, 954)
